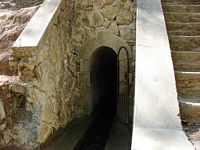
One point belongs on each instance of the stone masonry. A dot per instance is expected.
(46, 94)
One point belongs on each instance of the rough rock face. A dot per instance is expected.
(12, 92)
(12, 112)
(11, 27)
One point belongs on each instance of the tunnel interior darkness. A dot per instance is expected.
(104, 80)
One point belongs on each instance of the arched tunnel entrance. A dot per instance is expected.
(103, 78)
(108, 98)
(104, 81)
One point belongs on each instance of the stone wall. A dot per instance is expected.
(50, 69)
(102, 23)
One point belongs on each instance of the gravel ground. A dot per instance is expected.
(192, 130)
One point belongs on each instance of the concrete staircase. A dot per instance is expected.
(183, 25)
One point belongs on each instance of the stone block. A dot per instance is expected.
(18, 89)
(84, 65)
(84, 77)
(114, 28)
(96, 19)
(127, 32)
(125, 17)
(2, 112)
(111, 11)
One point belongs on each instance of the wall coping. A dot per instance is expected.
(37, 27)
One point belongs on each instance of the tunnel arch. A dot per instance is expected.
(101, 39)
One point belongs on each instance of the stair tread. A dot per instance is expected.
(186, 36)
(181, 17)
(183, 23)
(185, 13)
(188, 72)
(191, 101)
(182, 26)
(186, 60)
(180, 2)
(184, 33)
(175, 8)
(174, 4)
(187, 75)
(187, 52)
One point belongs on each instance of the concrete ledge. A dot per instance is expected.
(72, 135)
(35, 30)
(161, 139)
(120, 137)
(157, 125)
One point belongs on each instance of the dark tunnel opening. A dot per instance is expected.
(104, 99)
(104, 80)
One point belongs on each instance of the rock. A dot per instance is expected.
(114, 28)
(133, 10)
(112, 11)
(102, 3)
(18, 89)
(107, 2)
(50, 111)
(45, 131)
(127, 4)
(2, 127)
(106, 23)
(98, 29)
(124, 17)
(84, 5)
(2, 112)
(127, 32)
(96, 19)
(117, 3)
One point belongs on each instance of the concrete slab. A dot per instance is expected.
(120, 137)
(157, 125)
(160, 139)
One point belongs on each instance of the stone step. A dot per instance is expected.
(184, 43)
(175, 8)
(190, 109)
(187, 61)
(180, 2)
(184, 29)
(173, 26)
(188, 83)
(184, 33)
(182, 17)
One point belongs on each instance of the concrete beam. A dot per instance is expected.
(156, 112)
(37, 27)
